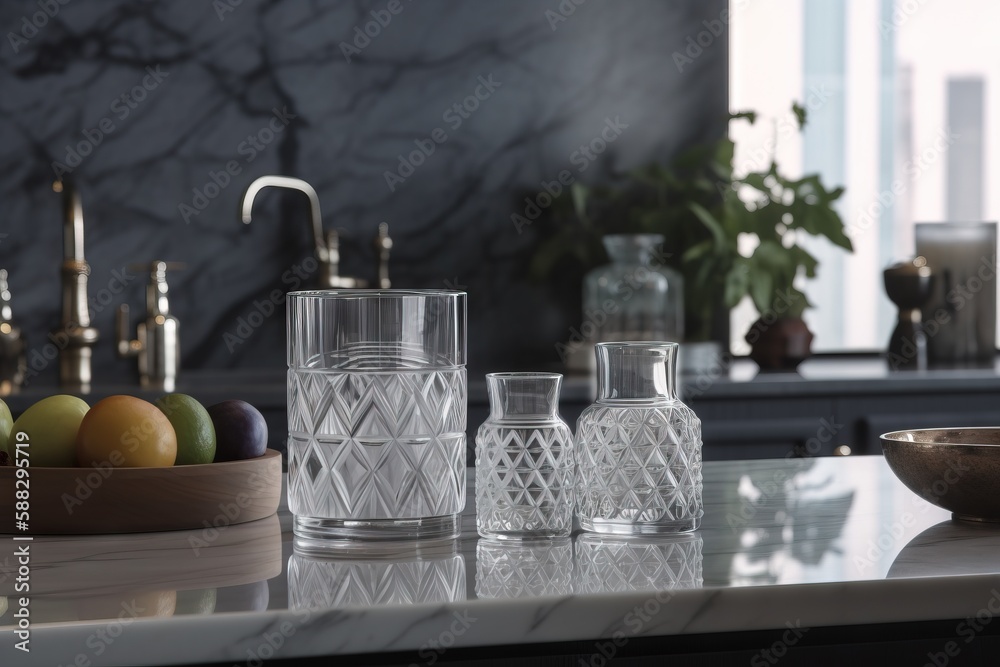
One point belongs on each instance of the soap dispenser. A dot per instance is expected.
(13, 362)
(157, 341)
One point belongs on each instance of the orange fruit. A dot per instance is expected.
(128, 432)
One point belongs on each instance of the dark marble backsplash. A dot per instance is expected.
(436, 116)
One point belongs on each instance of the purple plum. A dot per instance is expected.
(240, 431)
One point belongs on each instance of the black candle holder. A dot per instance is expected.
(908, 284)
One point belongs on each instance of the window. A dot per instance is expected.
(900, 108)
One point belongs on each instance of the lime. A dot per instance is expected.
(6, 425)
(194, 428)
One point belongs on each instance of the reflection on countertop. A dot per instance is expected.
(811, 522)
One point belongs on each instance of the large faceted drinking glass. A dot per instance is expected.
(376, 414)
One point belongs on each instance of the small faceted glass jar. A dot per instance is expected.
(524, 460)
(636, 296)
(638, 447)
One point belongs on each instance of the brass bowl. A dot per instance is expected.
(957, 469)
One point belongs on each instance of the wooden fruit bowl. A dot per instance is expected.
(91, 501)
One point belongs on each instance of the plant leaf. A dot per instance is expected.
(737, 282)
(800, 114)
(713, 225)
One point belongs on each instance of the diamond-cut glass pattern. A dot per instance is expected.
(376, 445)
(639, 465)
(524, 478)
(524, 569)
(319, 583)
(622, 564)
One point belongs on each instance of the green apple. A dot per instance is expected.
(51, 425)
(6, 424)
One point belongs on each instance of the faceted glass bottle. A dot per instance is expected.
(638, 447)
(524, 460)
(636, 297)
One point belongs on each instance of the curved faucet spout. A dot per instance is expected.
(287, 183)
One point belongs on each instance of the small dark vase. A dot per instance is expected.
(781, 345)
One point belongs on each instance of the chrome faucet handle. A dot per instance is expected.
(75, 329)
(157, 341)
(126, 345)
(331, 271)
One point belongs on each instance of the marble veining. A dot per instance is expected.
(197, 99)
(817, 542)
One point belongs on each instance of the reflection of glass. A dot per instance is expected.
(376, 414)
(608, 564)
(524, 569)
(524, 460)
(635, 297)
(396, 573)
(638, 447)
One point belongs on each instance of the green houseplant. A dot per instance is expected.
(704, 210)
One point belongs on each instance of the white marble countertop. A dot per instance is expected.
(818, 542)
